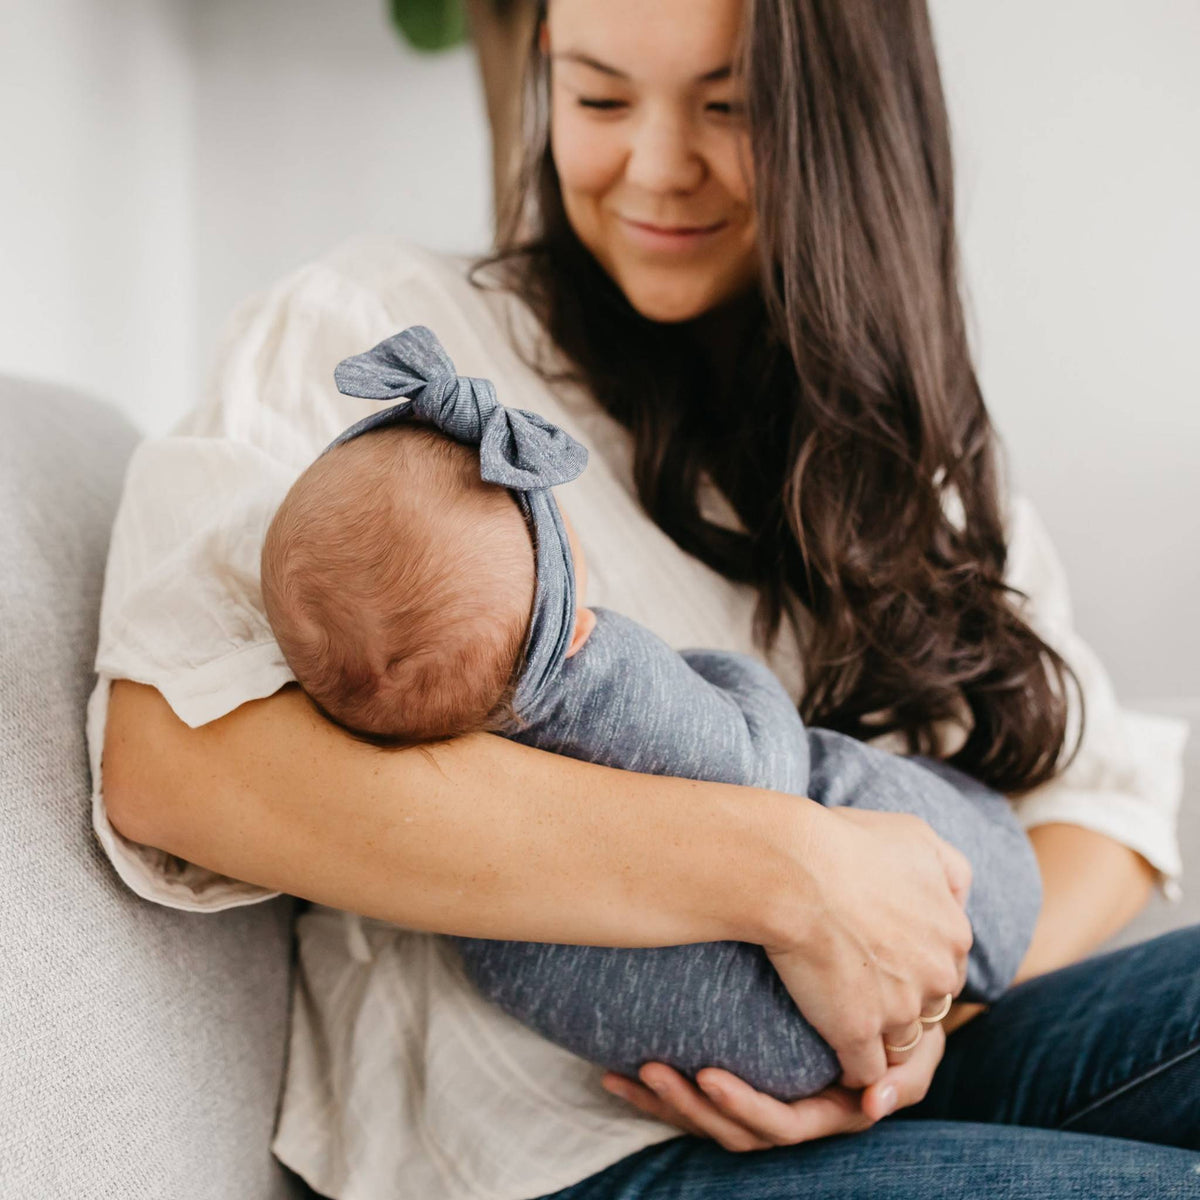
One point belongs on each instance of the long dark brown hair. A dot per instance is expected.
(853, 443)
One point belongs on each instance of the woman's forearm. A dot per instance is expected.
(479, 836)
(1092, 885)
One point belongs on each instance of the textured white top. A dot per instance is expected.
(401, 1081)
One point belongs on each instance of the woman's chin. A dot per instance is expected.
(670, 305)
(676, 296)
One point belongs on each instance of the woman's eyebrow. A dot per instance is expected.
(587, 60)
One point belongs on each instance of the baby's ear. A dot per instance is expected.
(585, 622)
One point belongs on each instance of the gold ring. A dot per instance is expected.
(941, 1016)
(907, 1045)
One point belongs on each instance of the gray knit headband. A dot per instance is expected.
(517, 449)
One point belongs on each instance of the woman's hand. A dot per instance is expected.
(891, 941)
(729, 1110)
(888, 941)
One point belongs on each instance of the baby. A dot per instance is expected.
(422, 584)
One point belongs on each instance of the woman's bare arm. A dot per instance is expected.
(861, 912)
(1092, 888)
(479, 836)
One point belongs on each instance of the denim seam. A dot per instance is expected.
(1092, 1105)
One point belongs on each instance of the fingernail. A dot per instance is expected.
(887, 1099)
(714, 1091)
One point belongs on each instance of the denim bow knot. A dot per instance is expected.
(517, 449)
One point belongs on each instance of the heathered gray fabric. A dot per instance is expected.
(519, 450)
(141, 1048)
(626, 699)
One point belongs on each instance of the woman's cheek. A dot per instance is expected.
(730, 159)
(586, 155)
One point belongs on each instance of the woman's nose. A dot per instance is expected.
(662, 154)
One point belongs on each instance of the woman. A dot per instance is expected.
(790, 456)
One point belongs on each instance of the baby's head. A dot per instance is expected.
(400, 587)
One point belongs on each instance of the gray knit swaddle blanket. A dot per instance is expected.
(627, 700)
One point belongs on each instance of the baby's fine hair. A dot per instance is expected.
(400, 586)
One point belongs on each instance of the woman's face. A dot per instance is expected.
(651, 147)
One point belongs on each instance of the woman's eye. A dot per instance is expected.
(602, 105)
(728, 108)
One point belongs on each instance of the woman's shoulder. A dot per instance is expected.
(379, 262)
(407, 277)
(357, 284)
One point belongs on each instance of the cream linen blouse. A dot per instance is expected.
(401, 1081)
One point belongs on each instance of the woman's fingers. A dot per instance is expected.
(835, 1110)
(641, 1097)
(900, 1044)
(696, 1108)
(960, 1014)
(665, 1094)
(910, 1080)
(740, 1118)
(862, 1061)
(958, 870)
(938, 1011)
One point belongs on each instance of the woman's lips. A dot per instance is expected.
(669, 237)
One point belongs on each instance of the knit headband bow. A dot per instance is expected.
(518, 450)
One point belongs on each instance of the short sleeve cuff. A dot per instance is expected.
(1145, 817)
(202, 694)
(1119, 817)
(154, 874)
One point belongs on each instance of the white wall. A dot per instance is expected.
(96, 199)
(1078, 123)
(316, 121)
(164, 157)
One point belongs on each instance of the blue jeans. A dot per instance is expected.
(1083, 1083)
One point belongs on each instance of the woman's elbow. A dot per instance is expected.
(136, 764)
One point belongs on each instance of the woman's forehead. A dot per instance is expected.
(676, 41)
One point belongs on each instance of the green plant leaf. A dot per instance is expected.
(430, 24)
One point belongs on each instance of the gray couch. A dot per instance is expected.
(141, 1049)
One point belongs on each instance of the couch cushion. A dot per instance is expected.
(141, 1048)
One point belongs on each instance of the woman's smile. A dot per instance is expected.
(673, 239)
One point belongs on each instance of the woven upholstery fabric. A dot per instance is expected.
(141, 1048)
